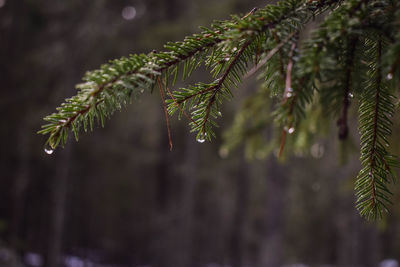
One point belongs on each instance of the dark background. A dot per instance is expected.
(118, 197)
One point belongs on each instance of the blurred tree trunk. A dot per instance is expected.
(20, 185)
(237, 246)
(189, 177)
(162, 183)
(164, 190)
(171, 9)
(272, 243)
(368, 244)
(57, 208)
(14, 46)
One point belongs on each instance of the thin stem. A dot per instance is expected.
(375, 131)
(162, 93)
(314, 8)
(342, 121)
(287, 94)
(282, 69)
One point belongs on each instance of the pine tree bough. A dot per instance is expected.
(354, 54)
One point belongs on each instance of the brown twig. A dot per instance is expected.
(162, 93)
(342, 121)
(278, 41)
(287, 94)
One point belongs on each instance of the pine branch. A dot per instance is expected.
(356, 50)
(113, 86)
(376, 109)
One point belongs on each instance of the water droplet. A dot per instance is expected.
(351, 95)
(129, 12)
(389, 76)
(48, 151)
(202, 138)
(291, 130)
(289, 92)
(142, 91)
(219, 114)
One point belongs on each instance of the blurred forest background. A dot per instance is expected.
(119, 197)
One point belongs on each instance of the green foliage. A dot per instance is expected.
(354, 54)
(376, 111)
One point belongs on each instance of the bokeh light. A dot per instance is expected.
(128, 12)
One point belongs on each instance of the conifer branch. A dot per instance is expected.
(375, 110)
(112, 86)
(356, 35)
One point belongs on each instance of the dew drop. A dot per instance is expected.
(291, 130)
(48, 151)
(142, 91)
(219, 113)
(389, 76)
(202, 139)
(351, 95)
(289, 94)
